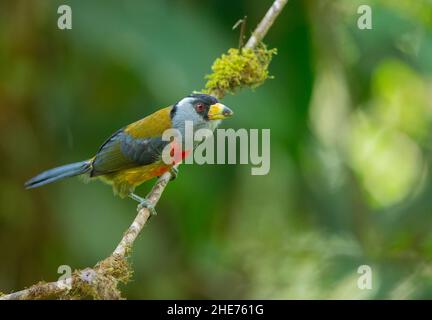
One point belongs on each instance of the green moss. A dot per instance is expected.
(117, 267)
(40, 291)
(102, 281)
(239, 68)
(37, 291)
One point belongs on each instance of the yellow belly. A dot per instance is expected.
(125, 181)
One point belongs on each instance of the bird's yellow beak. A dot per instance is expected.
(218, 111)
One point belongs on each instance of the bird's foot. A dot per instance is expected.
(174, 173)
(144, 203)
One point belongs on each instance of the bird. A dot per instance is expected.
(133, 154)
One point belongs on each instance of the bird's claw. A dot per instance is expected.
(145, 203)
(174, 173)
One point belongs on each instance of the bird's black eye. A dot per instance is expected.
(199, 107)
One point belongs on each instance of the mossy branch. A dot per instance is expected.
(239, 68)
(235, 69)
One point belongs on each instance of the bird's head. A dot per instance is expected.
(203, 110)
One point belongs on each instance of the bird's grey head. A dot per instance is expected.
(203, 110)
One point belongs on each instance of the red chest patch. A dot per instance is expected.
(177, 153)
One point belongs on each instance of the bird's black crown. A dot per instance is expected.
(199, 97)
(207, 99)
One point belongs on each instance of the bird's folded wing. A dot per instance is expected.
(153, 125)
(138, 144)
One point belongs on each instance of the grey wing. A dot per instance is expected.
(122, 151)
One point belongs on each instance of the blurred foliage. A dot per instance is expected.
(350, 115)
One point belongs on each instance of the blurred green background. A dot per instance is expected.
(350, 113)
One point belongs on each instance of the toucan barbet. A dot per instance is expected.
(133, 154)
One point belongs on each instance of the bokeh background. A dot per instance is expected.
(350, 113)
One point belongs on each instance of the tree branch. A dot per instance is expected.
(143, 215)
(101, 281)
(265, 24)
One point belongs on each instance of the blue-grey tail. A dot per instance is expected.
(52, 175)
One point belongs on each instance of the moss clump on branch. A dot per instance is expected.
(116, 266)
(102, 281)
(37, 291)
(239, 68)
(40, 290)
